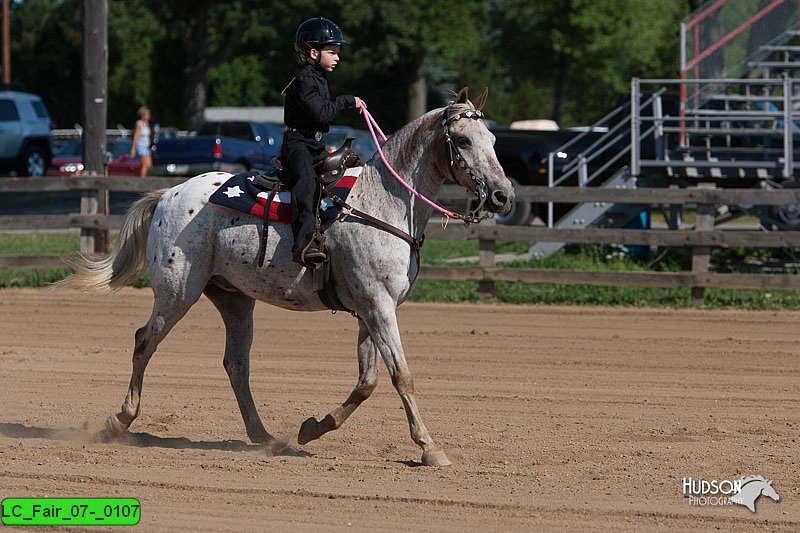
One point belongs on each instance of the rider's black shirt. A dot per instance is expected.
(309, 105)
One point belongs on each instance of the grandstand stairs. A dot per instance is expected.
(735, 128)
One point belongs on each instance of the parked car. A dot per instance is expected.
(25, 138)
(231, 146)
(68, 160)
(121, 163)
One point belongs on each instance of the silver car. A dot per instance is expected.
(25, 138)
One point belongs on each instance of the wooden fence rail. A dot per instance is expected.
(93, 218)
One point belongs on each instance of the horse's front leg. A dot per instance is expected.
(381, 320)
(367, 381)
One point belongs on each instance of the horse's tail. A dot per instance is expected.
(127, 262)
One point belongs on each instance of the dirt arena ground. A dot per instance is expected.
(556, 418)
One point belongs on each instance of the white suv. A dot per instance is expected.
(25, 138)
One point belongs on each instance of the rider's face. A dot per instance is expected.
(329, 57)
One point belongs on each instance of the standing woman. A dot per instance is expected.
(141, 141)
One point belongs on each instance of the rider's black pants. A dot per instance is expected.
(298, 155)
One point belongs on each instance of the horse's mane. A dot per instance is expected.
(418, 132)
(745, 480)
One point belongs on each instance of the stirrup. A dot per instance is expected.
(310, 256)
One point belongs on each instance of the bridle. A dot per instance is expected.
(454, 154)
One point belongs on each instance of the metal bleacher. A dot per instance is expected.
(731, 118)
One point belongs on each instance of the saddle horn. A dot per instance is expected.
(332, 168)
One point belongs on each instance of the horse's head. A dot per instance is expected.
(769, 492)
(471, 161)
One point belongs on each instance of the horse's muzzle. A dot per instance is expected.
(501, 199)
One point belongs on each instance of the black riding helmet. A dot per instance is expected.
(316, 33)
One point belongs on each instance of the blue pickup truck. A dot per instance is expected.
(229, 146)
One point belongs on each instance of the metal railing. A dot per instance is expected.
(698, 126)
(721, 37)
(615, 128)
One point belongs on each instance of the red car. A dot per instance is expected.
(67, 160)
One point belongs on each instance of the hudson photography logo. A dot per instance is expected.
(743, 491)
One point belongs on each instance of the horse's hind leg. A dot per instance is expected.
(237, 314)
(367, 380)
(166, 313)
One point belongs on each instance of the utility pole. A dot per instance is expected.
(417, 95)
(6, 46)
(95, 106)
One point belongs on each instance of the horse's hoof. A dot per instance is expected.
(260, 437)
(309, 431)
(435, 458)
(275, 447)
(112, 429)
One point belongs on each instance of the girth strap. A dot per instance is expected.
(325, 287)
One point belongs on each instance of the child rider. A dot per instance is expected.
(308, 111)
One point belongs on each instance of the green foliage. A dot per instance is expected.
(46, 42)
(133, 32)
(238, 82)
(570, 60)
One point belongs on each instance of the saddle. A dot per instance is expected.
(329, 171)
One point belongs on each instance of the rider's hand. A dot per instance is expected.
(360, 103)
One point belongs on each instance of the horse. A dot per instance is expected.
(751, 488)
(191, 247)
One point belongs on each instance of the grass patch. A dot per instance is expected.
(437, 252)
(440, 252)
(39, 243)
(35, 278)
(35, 244)
(604, 258)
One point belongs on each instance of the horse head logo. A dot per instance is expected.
(751, 488)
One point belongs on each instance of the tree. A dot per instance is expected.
(408, 50)
(569, 60)
(207, 32)
(46, 42)
(572, 60)
(133, 79)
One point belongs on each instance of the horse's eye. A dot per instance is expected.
(463, 142)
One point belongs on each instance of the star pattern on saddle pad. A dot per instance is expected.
(241, 193)
(234, 192)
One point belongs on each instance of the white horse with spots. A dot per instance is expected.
(192, 247)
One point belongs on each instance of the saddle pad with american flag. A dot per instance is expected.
(242, 194)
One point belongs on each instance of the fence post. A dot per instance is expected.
(486, 258)
(701, 255)
(94, 202)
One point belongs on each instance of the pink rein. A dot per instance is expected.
(372, 125)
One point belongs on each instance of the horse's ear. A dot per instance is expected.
(480, 101)
(462, 96)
